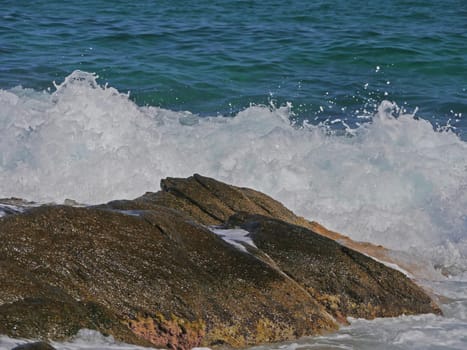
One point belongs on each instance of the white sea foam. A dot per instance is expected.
(237, 237)
(6, 209)
(395, 181)
(405, 332)
(86, 339)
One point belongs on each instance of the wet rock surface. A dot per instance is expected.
(149, 271)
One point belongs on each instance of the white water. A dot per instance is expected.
(236, 237)
(6, 208)
(394, 181)
(86, 339)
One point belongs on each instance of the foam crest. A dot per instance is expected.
(393, 181)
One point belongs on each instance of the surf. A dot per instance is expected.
(394, 179)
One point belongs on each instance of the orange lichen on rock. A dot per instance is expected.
(176, 333)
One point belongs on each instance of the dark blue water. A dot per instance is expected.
(331, 59)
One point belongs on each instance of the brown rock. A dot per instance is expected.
(346, 282)
(149, 271)
(214, 202)
(144, 271)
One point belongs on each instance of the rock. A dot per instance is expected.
(346, 282)
(211, 202)
(149, 271)
(34, 346)
(171, 281)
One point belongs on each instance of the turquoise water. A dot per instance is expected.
(330, 59)
(213, 87)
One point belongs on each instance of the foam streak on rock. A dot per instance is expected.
(237, 237)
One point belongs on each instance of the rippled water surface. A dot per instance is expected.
(330, 59)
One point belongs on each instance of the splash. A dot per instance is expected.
(393, 181)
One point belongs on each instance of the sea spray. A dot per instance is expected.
(393, 180)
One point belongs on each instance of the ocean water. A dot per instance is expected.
(353, 114)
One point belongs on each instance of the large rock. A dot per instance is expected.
(346, 282)
(150, 271)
